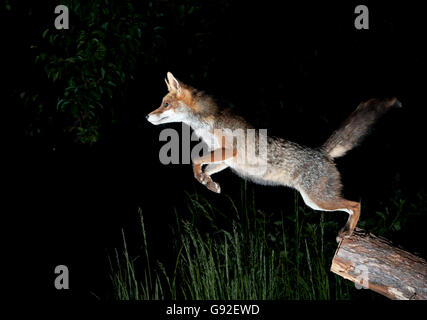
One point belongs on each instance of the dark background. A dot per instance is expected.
(296, 69)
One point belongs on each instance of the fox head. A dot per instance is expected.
(177, 106)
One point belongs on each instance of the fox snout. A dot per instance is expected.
(155, 117)
(164, 114)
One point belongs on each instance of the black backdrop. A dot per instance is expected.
(70, 202)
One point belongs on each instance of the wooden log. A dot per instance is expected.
(374, 263)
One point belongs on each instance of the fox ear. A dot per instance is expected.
(167, 83)
(173, 84)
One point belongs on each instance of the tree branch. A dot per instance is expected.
(374, 263)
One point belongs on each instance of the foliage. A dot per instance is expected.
(253, 255)
(123, 275)
(87, 63)
(87, 69)
(398, 218)
(234, 250)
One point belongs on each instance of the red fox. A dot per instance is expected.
(310, 171)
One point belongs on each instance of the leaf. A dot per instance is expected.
(382, 215)
(55, 76)
(59, 103)
(396, 226)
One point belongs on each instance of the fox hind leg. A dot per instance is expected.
(353, 218)
(338, 204)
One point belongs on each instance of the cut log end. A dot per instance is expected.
(374, 263)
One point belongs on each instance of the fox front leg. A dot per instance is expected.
(209, 170)
(215, 160)
(205, 179)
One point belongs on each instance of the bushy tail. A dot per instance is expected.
(357, 125)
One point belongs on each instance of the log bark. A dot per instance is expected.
(374, 263)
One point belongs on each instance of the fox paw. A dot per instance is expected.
(201, 177)
(343, 234)
(213, 186)
(204, 179)
(207, 181)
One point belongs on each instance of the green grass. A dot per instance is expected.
(123, 275)
(243, 253)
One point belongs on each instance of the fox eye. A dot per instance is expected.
(166, 105)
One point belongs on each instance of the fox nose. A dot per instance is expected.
(147, 116)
